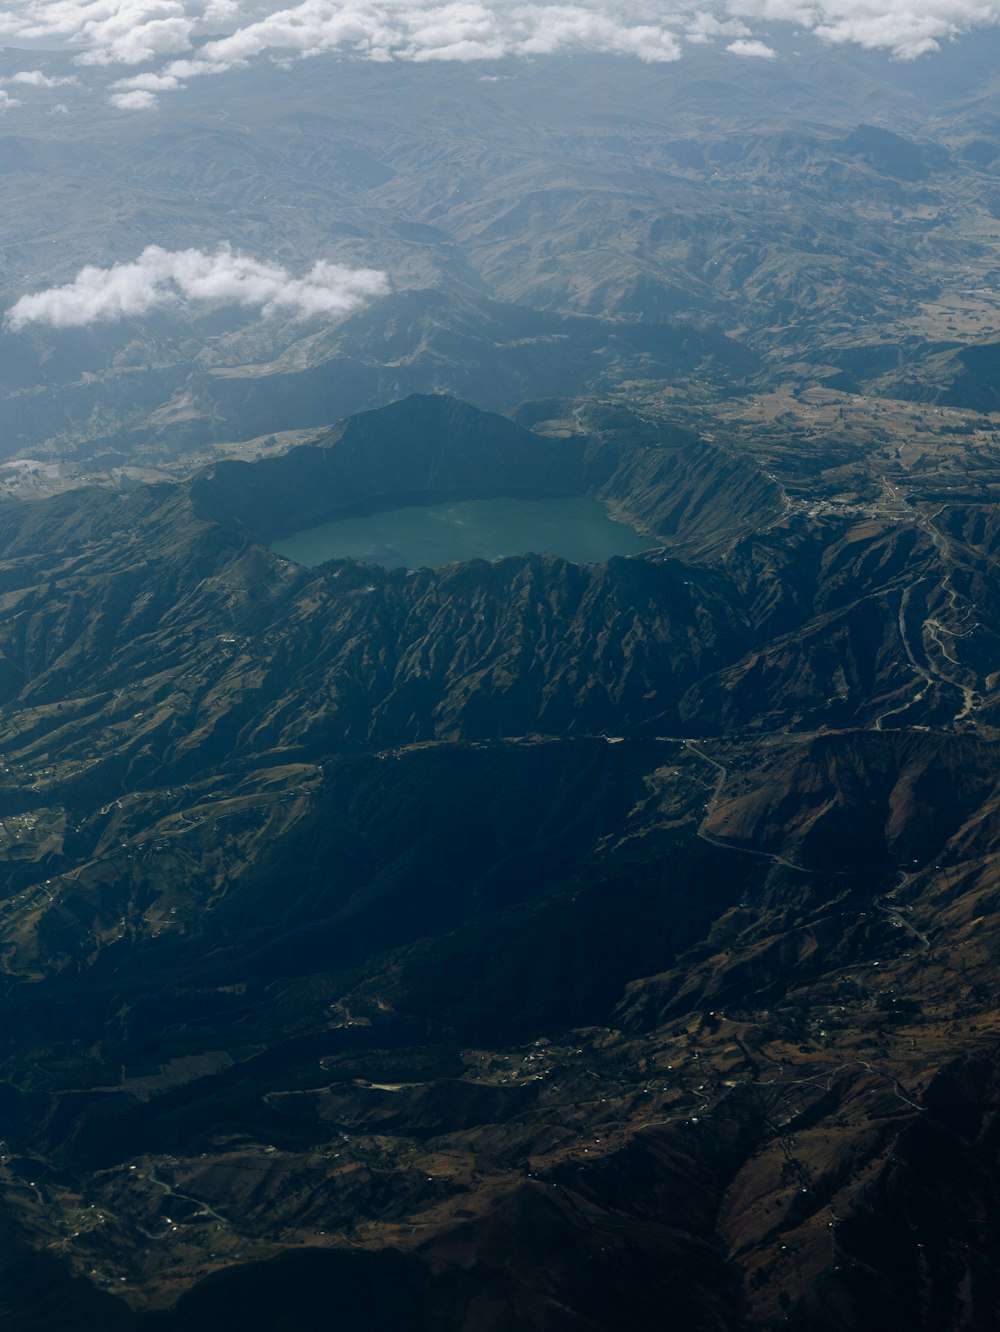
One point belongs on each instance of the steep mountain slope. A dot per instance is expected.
(514, 945)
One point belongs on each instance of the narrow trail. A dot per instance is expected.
(933, 629)
(928, 680)
(731, 846)
(886, 904)
(203, 1208)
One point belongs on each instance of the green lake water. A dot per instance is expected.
(430, 536)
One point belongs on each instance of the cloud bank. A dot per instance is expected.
(163, 278)
(460, 30)
(191, 38)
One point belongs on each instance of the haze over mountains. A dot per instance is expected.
(518, 944)
(564, 226)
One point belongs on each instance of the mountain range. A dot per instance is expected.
(350, 909)
(346, 909)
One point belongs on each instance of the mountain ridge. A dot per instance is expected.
(369, 920)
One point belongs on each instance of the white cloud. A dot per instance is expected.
(134, 32)
(456, 30)
(138, 100)
(704, 27)
(108, 31)
(161, 278)
(754, 49)
(7, 102)
(906, 28)
(906, 33)
(34, 78)
(146, 83)
(118, 43)
(203, 37)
